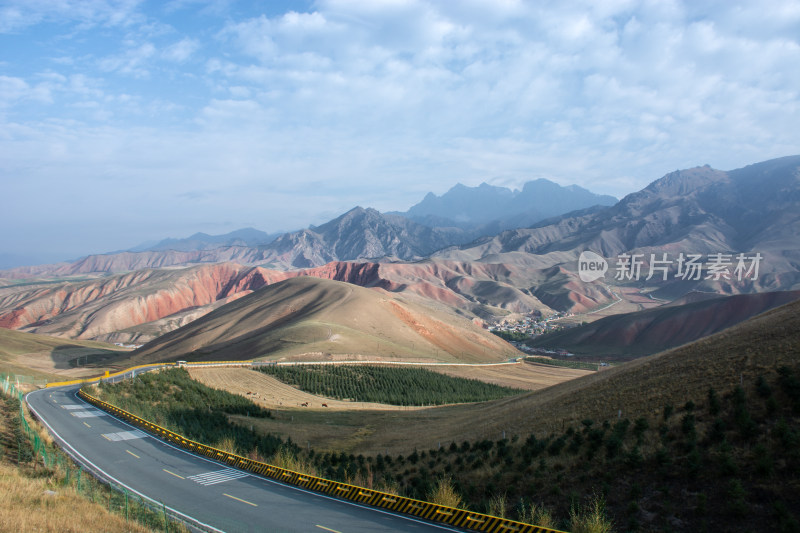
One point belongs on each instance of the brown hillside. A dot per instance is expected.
(95, 309)
(139, 306)
(41, 356)
(654, 330)
(326, 318)
(639, 388)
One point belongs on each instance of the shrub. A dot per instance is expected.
(556, 446)
(634, 457)
(713, 402)
(639, 428)
(762, 387)
(537, 515)
(737, 498)
(498, 506)
(790, 386)
(613, 445)
(591, 518)
(717, 433)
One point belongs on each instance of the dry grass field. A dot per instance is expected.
(526, 376)
(26, 505)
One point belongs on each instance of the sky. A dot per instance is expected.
(130, 121)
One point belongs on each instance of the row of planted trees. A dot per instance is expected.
(387, 384)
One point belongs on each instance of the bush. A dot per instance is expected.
(737, 498)
(713, 402)
(444, 493)
(591, 518)
(639, 428)
(537, 515)
(498, 506)
(762, 387)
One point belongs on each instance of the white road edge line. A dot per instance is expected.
(109, 476)
(260, 478)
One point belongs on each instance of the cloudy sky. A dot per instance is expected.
(128, 121)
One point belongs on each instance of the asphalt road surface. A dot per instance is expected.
(206, 492)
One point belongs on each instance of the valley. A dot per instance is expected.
(383, 298)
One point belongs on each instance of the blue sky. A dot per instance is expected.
(127, 121)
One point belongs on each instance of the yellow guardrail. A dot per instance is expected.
(426, 510)
(137, 367)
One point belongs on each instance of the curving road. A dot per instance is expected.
(211, 495)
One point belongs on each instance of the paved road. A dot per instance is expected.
(210, 493)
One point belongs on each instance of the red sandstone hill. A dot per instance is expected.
(97, 308)
(140, 306)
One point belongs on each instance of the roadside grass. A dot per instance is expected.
(38, 501)
(60, 498)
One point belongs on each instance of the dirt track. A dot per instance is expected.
(524, 376)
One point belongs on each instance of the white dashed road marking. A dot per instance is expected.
(90, 413)
(125, 435)
(219, 476)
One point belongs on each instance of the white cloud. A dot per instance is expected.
(134, 61)
(363, 102)
(17, 15)
(182, 50)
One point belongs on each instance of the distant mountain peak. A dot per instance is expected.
(503, 208)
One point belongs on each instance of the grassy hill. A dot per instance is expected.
(641, 387)
(45, 357)
(321, 319)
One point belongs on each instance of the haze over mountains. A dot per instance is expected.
(356, 235)
(138, 296)
(700, 210)
(204, 241)
(492, 209)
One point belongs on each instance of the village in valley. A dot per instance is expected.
(517, 329)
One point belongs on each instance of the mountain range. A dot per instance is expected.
(359, 234)
(138, 296)
(701, 210)
(204, 241)
(489, 209)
